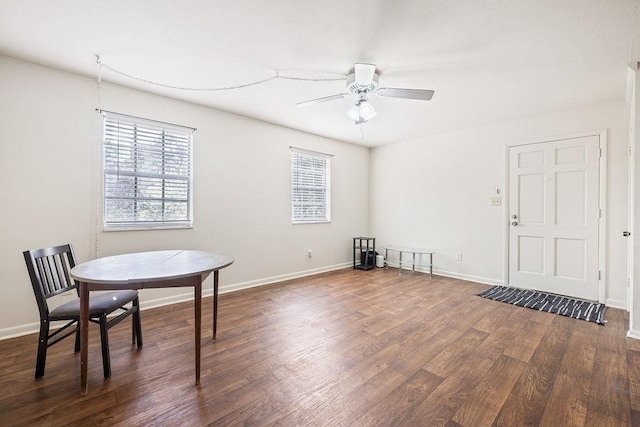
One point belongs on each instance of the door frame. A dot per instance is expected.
(602, 203)
(634, 214)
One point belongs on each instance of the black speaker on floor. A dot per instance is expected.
(368, 259)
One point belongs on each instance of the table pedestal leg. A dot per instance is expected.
(83, 324)
(198, 322)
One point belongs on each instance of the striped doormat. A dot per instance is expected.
(565, 306)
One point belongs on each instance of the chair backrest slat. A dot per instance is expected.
(61, 280)
(55, 278)
(43, 277)
(64, 270)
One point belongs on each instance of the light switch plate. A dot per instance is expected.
(496, 201)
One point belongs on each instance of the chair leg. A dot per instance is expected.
(104, 338)
(43, 339)
(76, 349)
(137, 323)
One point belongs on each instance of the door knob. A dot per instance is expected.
(514, 223)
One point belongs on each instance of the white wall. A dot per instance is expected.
(50, 173)
(436, 191)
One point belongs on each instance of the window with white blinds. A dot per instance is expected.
(310, 187)
(147, 174)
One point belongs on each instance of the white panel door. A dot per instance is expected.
(553, 212)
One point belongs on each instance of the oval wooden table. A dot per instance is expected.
(158, 269)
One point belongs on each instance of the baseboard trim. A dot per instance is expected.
(468, 277)
(632, 333)
(20, 330)
(453, 275)
(280, 278)
(616, 303)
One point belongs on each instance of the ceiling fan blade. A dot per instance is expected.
(364, 74)
(420, 94)
(319, 100)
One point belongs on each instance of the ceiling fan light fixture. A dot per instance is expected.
(354, 113)
(362, 111)
(370, 116)
(366, 110)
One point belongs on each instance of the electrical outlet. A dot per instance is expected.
(496, 201)
(308, 253)
(458, 256)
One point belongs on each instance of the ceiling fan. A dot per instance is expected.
(363, 82)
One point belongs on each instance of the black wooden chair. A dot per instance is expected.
(49, 272)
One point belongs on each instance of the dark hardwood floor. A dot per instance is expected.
(347, 348)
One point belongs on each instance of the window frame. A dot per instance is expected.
(181, 137)
(316, 156)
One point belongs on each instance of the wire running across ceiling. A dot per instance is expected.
(276, 76)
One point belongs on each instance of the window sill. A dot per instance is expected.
(144, 227)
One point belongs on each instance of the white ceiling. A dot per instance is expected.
(487, 60)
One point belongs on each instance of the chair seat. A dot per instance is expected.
(99, 303)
